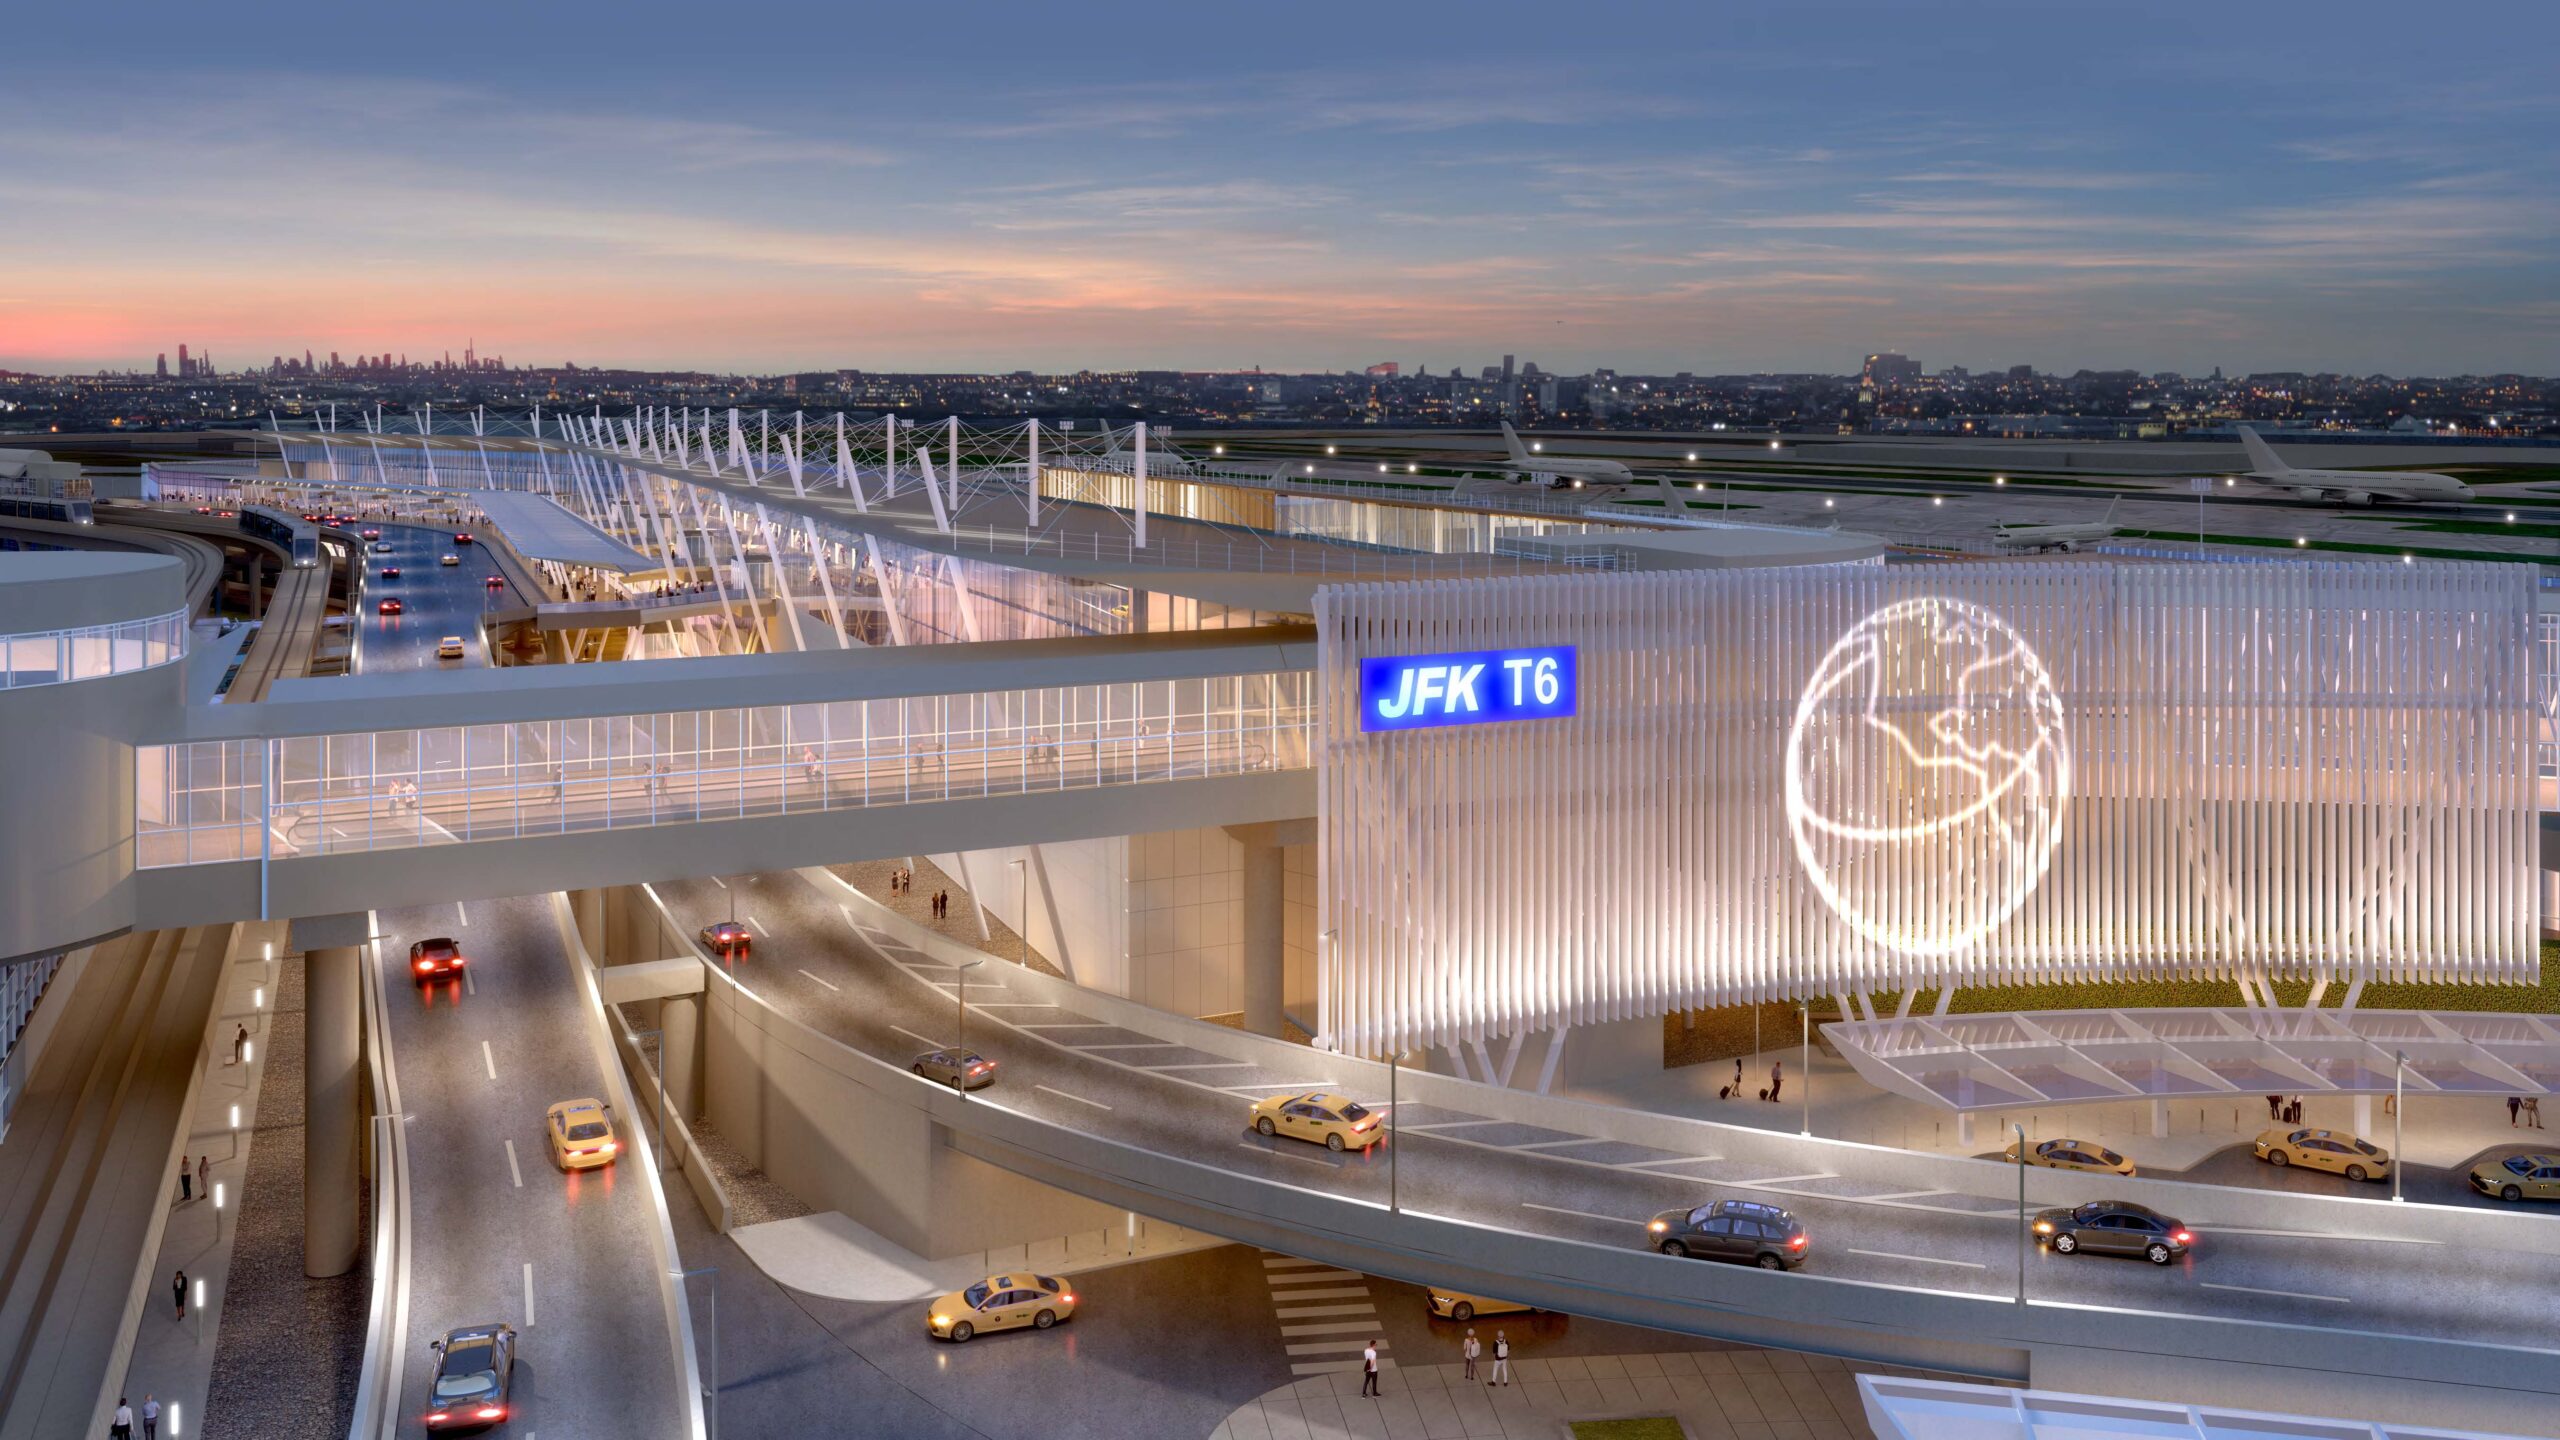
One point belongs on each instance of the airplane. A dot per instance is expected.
(1561, 473)
(2354, 487)
(2011, 535)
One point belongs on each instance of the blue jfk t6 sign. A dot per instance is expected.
(1411, 692)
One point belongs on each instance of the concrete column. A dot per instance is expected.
(1964, 1128)
(2159, 1119)
(586, 907)
(2364, 1117)
(679, 1054)
(1265, 925)
(332, 1110)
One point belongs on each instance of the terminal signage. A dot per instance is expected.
(1412, 692)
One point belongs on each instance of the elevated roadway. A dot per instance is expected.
(289, 628)
(436, 600)
(202, 558)
(1914, 1261)
(498, 1232)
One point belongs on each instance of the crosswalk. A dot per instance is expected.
(1326, 1315)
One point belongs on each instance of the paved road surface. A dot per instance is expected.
(887, 1000)
(477, 1066)
(437, 600)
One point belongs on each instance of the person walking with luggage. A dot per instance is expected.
(1777, 1078)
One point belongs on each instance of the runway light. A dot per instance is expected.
(1311, 469)
(2408, 559)
(2301, 539)
(1773, 445)
(1826, 503)
(1382, 469)
(2511, 517)
(1331, 449)
(1537, 445)
(1217, 449)
(1999, 479)
(1693, 457)
(1413, 469)
(1937, 499)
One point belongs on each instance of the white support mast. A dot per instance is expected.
(1031, 479)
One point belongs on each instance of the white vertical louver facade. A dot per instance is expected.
(1797, 782)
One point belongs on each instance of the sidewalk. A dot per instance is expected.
(173, 1358)
(871, 877)
(833, 1255)
(1716, 1395)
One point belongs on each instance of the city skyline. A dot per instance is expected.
(1773, 191)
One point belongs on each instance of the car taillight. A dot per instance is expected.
(1066, 1297)
(2183, 1238)
(606, 1148)
(1795, 1242)
(425, 965)
(438, 1418)
(1368, 1124)
(461, 960)
(492, 1412)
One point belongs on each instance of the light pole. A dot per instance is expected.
(1021, 909)
(2022, 1210)
(960, 998)
(711, 1349)
(2399, 1157)
(1391, 1131)
(1806, 1065)
(661, 1068)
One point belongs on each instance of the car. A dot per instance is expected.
(581, 1134)
(461, 537)
(390, 572)
(727, 937)
(2333, 1150)
(496, 582)
(436, 959)
(2113, 1227)
(1336, 1122)
(959, 1069)
(2519, 1177)
(381, 547)
(449, 648)
(1460, 1306)
(450, 560)
(391, 606)
(2068, 1154)
(371, 534)
(1001, 1302)
(474, 1367)
(204, 509)
(1745, 1232)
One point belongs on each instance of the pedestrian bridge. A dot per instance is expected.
(403, 788)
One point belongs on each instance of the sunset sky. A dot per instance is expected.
(1696, 187)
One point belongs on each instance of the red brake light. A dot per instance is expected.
(425, 965)
(1066, 1297)
(437, 1418)
(606, 1148)
(491, 1412)
(459, 961)
(2183, 1238)
(1796, 1241)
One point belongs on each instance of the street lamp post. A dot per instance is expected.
(960, 998)
(1392, 1147)
(1805, 1080)
(2399, 1101)
(2022, 1210)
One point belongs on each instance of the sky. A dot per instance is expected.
(1713, 188)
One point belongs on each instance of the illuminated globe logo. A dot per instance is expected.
(1927, 775)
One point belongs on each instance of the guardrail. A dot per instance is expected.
(386, 1333)
(690, 1161)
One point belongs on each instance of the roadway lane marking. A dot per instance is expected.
(723, 884)
(512, 1167)
(1683, 1160)
(2284, 1294)
(1343, 1292)
(468, 986)
(1297, 1087)
(489, 1058)
(461, 916)
(1063, 1095)
(1462, 1124)
(1289, 1262)
(1338, 1367)
(756, 927)
(1585, 1214)
(1330, 1347)
(1293, 1312)
(1204, 1065)
(1544, 1144)
(1918, 1259)
(930, 1044)
(1333, 1327)
(528, 1294)
(1310, 1277)
(1075, 1025)
(1776, 1180)
(1139, 1045)
(830, 984)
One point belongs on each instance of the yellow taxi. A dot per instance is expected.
(449, 648)
(2068, 1154)
(581, 1135)
(1002, 1302)
(1336, 1122)
(2331, 1150)
(1460, 1306)
(2532, 1176)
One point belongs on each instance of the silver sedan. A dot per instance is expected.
(959, 1069)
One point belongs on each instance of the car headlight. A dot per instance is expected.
(1658, 1227)
(2044, 1227)
(941, 1321)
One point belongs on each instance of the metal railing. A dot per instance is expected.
(91, 652)
(386, 1332)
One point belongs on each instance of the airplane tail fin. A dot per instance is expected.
(1672, 503)
(2262, 456)
(2111, 509)
(1510, 437)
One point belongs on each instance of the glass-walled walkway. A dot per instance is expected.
(390, 789)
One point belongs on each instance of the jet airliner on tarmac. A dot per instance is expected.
(2011, 535)
(1558, 471)
(2354, 487)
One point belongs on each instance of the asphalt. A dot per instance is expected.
(888, 1001)
(477, 1065)
(437, 600)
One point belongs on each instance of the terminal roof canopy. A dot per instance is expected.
(540, 530)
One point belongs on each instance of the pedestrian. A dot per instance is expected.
(150, 1418)
(1735, 1089)
(1777, 1077)
(1501, 1360)
(1369, 1369)
(204, 1174)
(559, 785)
(2275, 1107)
(240, 1045)
(178, 1295)
(122, 1427)
(2514, 1104)
(2533, 1110)
(186, 1181)
(2391, 1104)
(1469, 1351)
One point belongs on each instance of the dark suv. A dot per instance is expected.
(1745, 1232)
(2113, 1227)
(475, 1368)
(436, 959)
